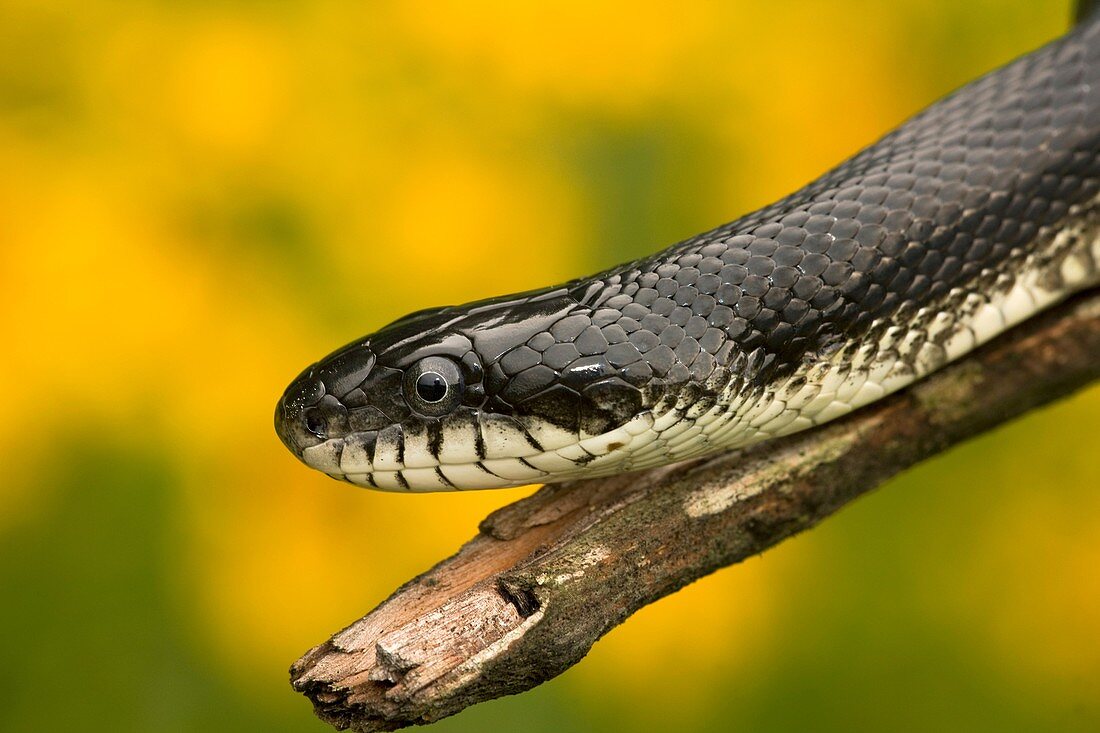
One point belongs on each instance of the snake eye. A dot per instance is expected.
(434, 386)
(431, 387)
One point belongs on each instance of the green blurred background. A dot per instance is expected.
(198, 198)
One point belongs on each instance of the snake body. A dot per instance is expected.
(972, 216)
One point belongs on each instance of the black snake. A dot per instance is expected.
(972, 216)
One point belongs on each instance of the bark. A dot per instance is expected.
(548, 575)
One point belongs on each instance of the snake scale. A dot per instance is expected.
(972, 216)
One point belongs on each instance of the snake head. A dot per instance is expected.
(497, 393)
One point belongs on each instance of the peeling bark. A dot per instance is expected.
(550, 574)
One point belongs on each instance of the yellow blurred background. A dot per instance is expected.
(197, 199)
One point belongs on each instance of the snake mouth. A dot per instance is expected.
(400, 459)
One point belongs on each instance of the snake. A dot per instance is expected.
(972, 216)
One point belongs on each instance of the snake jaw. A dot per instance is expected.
(325, 456)
(483, 454)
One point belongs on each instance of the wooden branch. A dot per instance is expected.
(548, 575)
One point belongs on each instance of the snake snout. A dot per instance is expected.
(302, 416)
(314, 408)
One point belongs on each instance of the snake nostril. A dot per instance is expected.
(316, 423)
